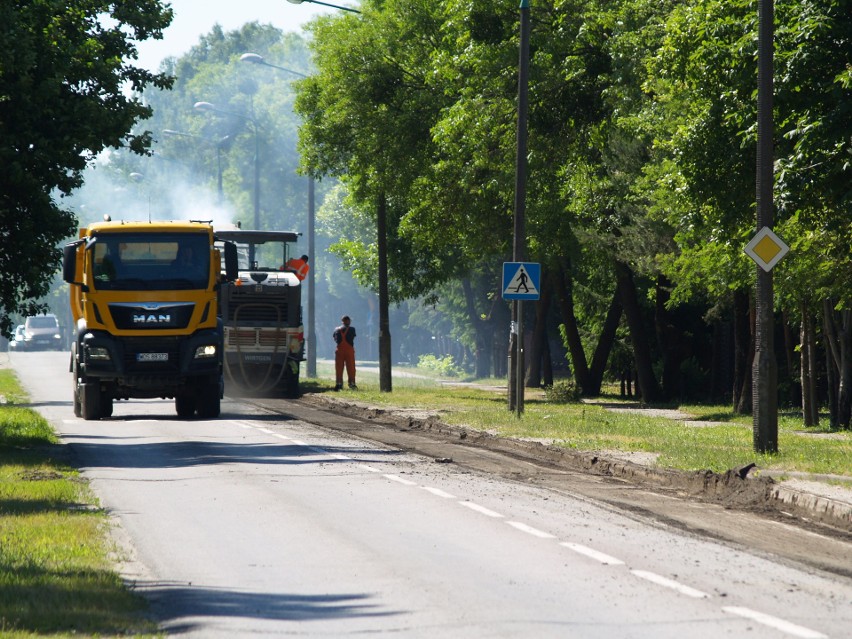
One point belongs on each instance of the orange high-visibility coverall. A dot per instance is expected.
(299, 267)
(344, 355)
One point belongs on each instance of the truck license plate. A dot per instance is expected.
(152, 357)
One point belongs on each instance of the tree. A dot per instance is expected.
(64, 83)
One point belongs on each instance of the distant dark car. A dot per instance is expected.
(41, 332)
(17, 342)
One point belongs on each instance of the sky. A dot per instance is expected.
(193, 18)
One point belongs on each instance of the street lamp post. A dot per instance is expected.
(311, 370)
(207, 106)
(385, 358)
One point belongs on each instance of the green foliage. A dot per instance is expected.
(55, 564)
(64, 72)
(642, 126)
(725, 442)
(563, 391)
(444, 366)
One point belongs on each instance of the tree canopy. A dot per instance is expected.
(641, 153)
(68, 90)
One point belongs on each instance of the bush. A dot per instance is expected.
(444, 366)
(564, 391)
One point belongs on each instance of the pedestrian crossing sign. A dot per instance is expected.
(521, 280)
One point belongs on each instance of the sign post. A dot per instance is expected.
(521, 281)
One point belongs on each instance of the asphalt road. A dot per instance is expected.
(260, 523)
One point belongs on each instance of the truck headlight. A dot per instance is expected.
(204, 352)
(99, 353)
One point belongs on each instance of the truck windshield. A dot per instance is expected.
(267, 257)
(148, 261)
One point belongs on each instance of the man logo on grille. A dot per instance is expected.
(152, 319)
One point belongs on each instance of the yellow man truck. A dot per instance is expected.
(262, 314)
(144, 300)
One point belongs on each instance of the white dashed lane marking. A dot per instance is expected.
(775, 622)
(670, 583)
(758, 617)
(593, 554)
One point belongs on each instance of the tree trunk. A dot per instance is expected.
(790, 355)
(589, 380)
(483, 350)
(565, 286)
(605, 342)
(810, 408)
(722, 364)
(546, 363)
(670, 340)
(830, 374)
(839, 346)
(743, 352)
(385, 358)
(649, 388)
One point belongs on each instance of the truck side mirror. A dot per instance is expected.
(232, 269)
(69, 262)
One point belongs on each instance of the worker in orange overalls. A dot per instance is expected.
(299, 265)
(344, 336)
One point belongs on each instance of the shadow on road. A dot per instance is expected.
(172, 602)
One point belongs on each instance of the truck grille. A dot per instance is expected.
(259, 310)
(151, 315)
(266, 338)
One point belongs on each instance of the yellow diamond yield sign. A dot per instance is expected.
(766, 249)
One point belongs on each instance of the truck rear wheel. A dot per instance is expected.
(75, 378)
(90, 400)
(106, 405)
(290, 383)
(209, 405)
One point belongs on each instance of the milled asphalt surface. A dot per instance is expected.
(749, 513)
(821, 499)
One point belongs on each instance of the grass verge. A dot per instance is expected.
(720, 441)
(56, 574)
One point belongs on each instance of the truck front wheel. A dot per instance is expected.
(209, 405)
(185, 405)
(90, 400)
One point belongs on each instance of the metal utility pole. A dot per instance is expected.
(765, 367)
(311, 369)
(516, 347)
(311, 342)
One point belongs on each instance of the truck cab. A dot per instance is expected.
(144, 302)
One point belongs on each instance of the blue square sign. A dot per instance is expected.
(521, 280)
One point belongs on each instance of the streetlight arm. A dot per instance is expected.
(254, 58)
(325, 4)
